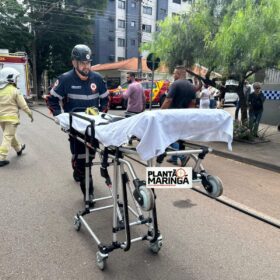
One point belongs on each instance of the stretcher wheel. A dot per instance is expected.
(215, 186)
(148, 199)
(101, 260)
(156, 246)
(77, 223)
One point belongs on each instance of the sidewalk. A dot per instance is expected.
(264, 155)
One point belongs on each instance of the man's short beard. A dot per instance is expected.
(83, 73)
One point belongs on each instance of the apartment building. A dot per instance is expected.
(117, 30)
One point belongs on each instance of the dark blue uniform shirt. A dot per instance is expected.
(76, 93)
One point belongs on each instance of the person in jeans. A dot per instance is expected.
(222, 90)
(246, 91)
(255, 102)
(181, 95)
(136, 101)
(135, 96)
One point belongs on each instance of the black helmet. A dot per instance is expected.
(81, 53)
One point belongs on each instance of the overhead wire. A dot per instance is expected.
(85, 12)
(57, 26)
(78, 14)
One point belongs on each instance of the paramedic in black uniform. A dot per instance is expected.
(77, 90)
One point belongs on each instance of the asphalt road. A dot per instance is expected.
(202, 239)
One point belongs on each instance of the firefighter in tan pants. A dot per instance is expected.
(10, 102)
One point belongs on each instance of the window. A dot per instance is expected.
(163, 11)
(177, 1)
(158, 28)
(147, 10)
(111, 57)
(148, 85)
(133, 42)
(121, 23)
(121, 42)
(121, 4)
(147, 28)
(111, 18)
(133, 24)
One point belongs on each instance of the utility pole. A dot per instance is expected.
(34, 60)
(34, 51)
(139, 68)
(34, 64)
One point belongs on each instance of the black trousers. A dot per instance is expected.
(78, 162)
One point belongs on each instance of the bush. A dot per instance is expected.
(242, 131)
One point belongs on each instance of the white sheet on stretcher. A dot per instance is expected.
(159, 128)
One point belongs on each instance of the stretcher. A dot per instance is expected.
(132, 202)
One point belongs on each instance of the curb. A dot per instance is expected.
(260, 164)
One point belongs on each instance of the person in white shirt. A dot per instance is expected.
(205, 98)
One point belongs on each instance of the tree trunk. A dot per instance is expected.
(242, 103)
(244, 116)
(39, 87)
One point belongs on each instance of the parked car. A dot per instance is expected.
(231, 97)
(116, 98)
(160, 87)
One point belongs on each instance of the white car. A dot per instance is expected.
(231, 97)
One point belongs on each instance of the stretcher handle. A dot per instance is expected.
(89, 137)
(111, 119)
(126, 214)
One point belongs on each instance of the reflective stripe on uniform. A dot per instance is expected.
(3, 150)
(8, 118)
(53, 93)
(78, 156)
(82, 97)
(81, 156)
(105, 94)
(2, 92)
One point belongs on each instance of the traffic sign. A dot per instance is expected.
(153, 62)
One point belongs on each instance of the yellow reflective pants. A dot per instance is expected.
(9, 139)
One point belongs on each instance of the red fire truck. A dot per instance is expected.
(18, 61)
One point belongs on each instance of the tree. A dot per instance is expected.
(58, 25)
(47, 30)
(249, 41)
(182, 39)
(14, 29)
(236, 38)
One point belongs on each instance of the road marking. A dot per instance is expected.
(243, 208)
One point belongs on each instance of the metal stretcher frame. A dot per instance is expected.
(143, 198)
(120, 222)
